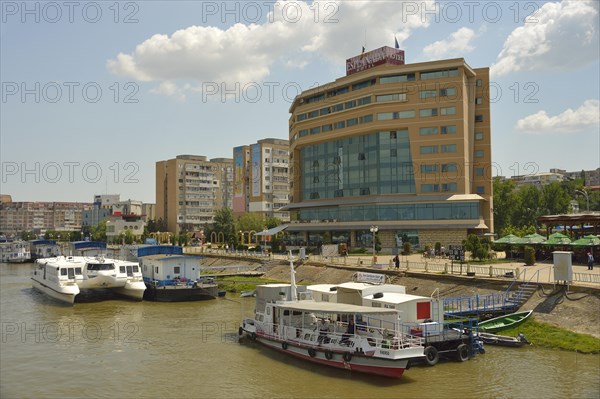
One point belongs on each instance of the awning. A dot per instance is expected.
(272, 231)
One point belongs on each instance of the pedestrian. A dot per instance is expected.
(397, 261)
(590, 260)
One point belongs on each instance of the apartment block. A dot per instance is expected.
(190, 189)
(261, 178)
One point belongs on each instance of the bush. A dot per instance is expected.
(438, 247)
(361, 250)
(529, 256)
(406, 248)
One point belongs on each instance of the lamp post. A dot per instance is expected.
(265, 235)
(374, 230)
(587, 198)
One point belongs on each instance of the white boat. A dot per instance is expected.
(15, 251)
(358, 338)
(87, 273)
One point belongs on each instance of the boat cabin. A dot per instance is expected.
(164, 270)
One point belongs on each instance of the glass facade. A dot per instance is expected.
(372, 164)
(391, 212)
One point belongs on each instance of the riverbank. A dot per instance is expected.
(574, 310)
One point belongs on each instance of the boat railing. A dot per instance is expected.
(337, 337)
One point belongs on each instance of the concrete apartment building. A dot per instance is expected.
(190, 189)
(40, 217)
(261, 178)
(404, 147)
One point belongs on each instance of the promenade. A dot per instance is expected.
(540, 272)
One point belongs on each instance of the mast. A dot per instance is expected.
(293, 292)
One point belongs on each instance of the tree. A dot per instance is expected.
(504, 201)
(223, 223)
(479, 248)
(98, 233)
(272, 221)
(529, 207)
(250, 221)
(556, 199)
(28, 235)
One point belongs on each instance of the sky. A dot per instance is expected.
(95, 93)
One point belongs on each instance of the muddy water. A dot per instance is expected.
(117, 348)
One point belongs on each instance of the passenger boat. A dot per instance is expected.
(357, 338)
(245, 294)
(63, 278)
(15, 252)
(503, 322)
(503, 340)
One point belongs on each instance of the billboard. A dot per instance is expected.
(380, 56)
(255, 175)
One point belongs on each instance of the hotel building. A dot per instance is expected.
(404, 147)
(261, 178)
(190, 189)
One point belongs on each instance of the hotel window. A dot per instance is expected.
(315, 179)
(478, 100)
(449, 91)
(352, 122)
(448, 111)
(324, 111)
(391, 97)
(338, 91)
(301, 117)
(303, 132)
(364, 101)
(393, 135)
(480, 190)
(448, 129)
(478, 118)
(428, 112)
(315, 130)
(427, 94)
(479, 154)
(428, 131)
(449, 167)
(478, 136)
(395, 115)
(362, 85)
(449, 187)
(449, 148)
(429, 149)
(339, 125)
(439, 74)
(429, 168)
(327, 128)
(397, 78)
(366, 118)
(350, 104)
(393, 152)
(337, 108)
(313, 114)
(429, 188)
(479, 171)
(365, 191)
(478, 83)
(361, 156)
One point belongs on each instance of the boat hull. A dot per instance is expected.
(179, 294)
(503, 322)
(66, 295)
(347, 360)
(133, 290)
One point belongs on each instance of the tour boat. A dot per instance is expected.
(15, 252)
(357, 338)
(53, 275)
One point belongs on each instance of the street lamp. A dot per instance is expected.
(265, 235)
(587, 198)
(374, 230)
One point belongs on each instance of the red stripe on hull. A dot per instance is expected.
(393, 372)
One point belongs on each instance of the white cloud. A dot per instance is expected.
(458, 42)
(586, 116)
(559, 36)
(246, 52)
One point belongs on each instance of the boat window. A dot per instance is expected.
(78, 271)
(129, 271)
(135, 269)
(176, 270)
(63, 272)
(121, 269)
(100, 266)
(71, 272)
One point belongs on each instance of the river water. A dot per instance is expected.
(124, 349)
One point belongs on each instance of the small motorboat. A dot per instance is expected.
(245, 294)
(503, 322)
(503, 340)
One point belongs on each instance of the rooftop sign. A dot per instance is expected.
(380, 56)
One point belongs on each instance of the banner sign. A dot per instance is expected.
(380, 56)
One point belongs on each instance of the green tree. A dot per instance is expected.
(529, 206)
(504, 201)
(556, 199)
(98, 233)
(250, 221)
(479, 248)
(223, 222)
(27, 235)
(272, 222)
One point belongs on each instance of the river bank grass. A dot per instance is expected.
(240, 283)
(549, 336)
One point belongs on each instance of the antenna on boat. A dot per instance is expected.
(293, 293)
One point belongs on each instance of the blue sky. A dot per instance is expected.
(94, 93)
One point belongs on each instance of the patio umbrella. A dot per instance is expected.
(531, 239)
(557, 239)
(509, 239)
(587, 241)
